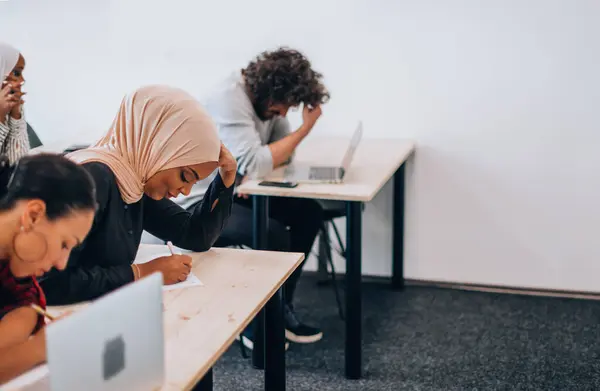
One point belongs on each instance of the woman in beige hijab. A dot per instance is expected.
(161, 142)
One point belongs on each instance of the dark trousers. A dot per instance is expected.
(293, 226)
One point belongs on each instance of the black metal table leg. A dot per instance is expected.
(324, 255)
(275, 343)
(258, 351)
(398, 231)
(260, 217)
(206, 384)
(353, 290)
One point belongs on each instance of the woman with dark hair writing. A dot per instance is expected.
(47, 206)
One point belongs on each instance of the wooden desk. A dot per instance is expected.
(202, 322)
(375, 163)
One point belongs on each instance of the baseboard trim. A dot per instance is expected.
(507, 290)
(478, 287)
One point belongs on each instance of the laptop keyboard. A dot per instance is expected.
(323, 173)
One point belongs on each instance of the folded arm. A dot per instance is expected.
(195, 230)
(255, 159)
(76, 284)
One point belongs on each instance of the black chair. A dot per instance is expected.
(331, 211)
(75, 147)
(34, 140)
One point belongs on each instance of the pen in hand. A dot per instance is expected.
(171, 248)
(42, 312)
(188, 264)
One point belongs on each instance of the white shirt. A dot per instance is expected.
(242, 132)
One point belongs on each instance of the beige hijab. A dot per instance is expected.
(156, 128)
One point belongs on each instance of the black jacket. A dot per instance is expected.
(103, 261)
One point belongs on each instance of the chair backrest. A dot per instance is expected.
(75, 147)
(34, 140)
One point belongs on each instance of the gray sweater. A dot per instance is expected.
(242, 132)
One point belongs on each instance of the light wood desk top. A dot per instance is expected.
(202, 322)
(374, 163)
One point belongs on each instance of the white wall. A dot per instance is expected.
(501, 97)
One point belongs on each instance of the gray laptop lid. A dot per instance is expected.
(116, 343)
(352, 148)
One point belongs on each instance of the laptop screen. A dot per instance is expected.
(352, 148)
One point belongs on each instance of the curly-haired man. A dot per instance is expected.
(250, 109)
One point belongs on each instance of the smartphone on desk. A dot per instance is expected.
(287, 185)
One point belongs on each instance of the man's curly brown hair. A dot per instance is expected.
(284, 76)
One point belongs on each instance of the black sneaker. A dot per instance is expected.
(247, 339)
(296, 331)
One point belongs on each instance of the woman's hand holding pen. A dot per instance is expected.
(174, 268)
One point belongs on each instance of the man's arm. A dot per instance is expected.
(255, 159)
(238, 133)
(283, 149)
(281, 129)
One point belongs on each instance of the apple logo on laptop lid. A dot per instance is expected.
(113, 357)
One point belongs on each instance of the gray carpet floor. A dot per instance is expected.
(439, 339)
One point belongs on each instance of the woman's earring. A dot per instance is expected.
(29, 245)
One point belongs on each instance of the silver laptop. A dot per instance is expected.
(325, 174)
(116, 343)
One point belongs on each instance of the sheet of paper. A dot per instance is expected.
(192, 280)
(147, 253)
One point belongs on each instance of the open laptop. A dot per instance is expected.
(324, 174)
(116, 343)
